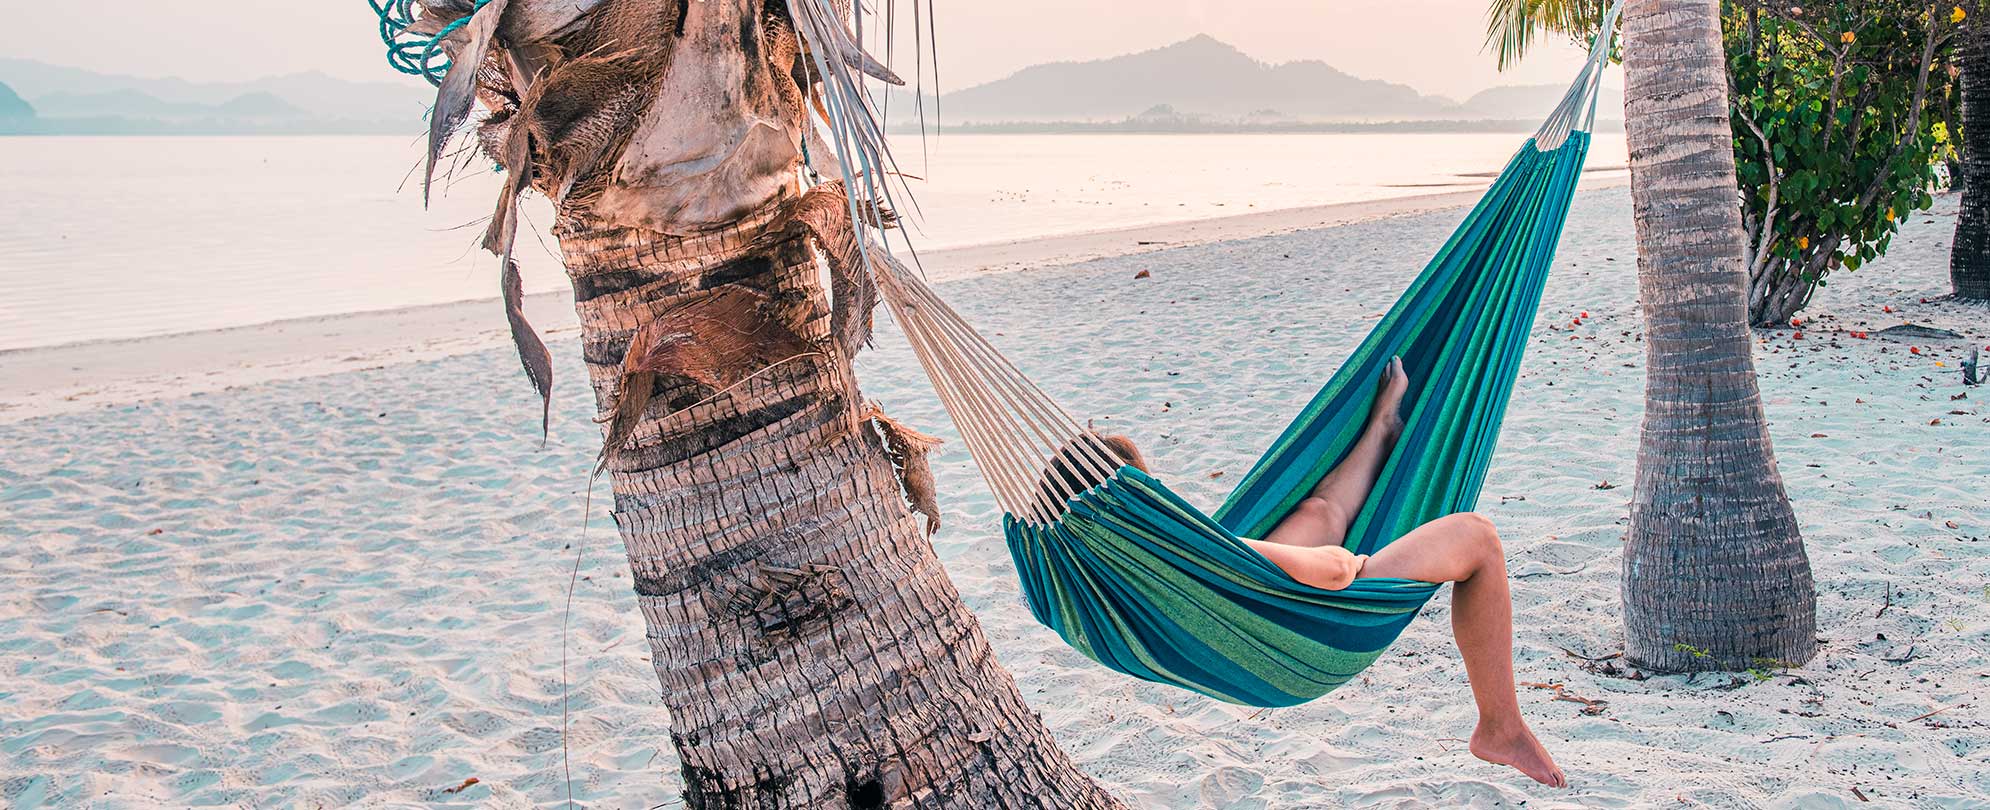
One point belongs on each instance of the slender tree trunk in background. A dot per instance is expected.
(1969, 258)
(812, 651)
(1715, 574)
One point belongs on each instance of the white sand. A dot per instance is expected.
(347, 589)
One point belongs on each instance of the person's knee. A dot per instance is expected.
(1319, 509)
(1482, 535)
(1323, 568)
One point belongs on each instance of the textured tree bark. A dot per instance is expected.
(811, 649)
(1969, 258)
(1715, 574)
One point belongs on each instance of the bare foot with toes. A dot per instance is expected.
(1387, 411)
(1517, 748)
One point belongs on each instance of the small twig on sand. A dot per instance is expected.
(1589, 707)
(1593, 659)
(1861, 796)
(1936, 712)
(1886, 604)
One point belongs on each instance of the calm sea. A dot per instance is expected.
(124, 237)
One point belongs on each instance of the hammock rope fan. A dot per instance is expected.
(1139, 580)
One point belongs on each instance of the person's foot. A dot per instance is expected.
(1387, 411)
(1517, 748)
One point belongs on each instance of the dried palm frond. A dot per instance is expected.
(716, 341)
(907, 449)
(868, 170)
(824, 213)
(458, 91)
(531, 350)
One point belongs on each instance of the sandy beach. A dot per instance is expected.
(323, 563)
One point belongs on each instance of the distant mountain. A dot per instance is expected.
(1199, 76)
(109, 102)
(1535, 101)
(258, 105)
(69, 97)
(13, 106)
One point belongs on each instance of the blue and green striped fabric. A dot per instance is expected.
(1144, 583)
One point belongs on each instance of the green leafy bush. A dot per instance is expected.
(1839, 115)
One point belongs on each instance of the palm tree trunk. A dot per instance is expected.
(1715, 574)
(1969, 259)
(811, 649)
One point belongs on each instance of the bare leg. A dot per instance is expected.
(1464, 549)
(1322, 519)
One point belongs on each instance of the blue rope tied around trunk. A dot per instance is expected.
(412, 53)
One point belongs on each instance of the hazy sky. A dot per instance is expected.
(1432, 45)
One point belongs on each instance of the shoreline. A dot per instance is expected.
(65, 378)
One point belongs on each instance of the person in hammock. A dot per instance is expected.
(1462, 549)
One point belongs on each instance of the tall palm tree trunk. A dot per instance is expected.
(1715, 574)
(811, 649)
(1969, 258)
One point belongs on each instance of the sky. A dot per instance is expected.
(1435, 46)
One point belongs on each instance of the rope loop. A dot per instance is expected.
(409, 52)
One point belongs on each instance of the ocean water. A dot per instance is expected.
(119, 237)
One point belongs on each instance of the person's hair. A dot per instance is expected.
(1074, 467)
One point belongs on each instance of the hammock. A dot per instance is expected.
(1139, 580)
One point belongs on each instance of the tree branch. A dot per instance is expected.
(1765, 237)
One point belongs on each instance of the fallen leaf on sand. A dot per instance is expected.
(1951, 524)
(1143, 274)
(1217, 474)
(462, 787)
(1819, 436)
(1606, 485)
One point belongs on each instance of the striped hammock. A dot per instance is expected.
(1141, 581)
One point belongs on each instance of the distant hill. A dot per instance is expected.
(135, 104)
(1198, 76)
(74, 100)
(258, 105)
(1536, 100)
(12, 106)
(1204, 85)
